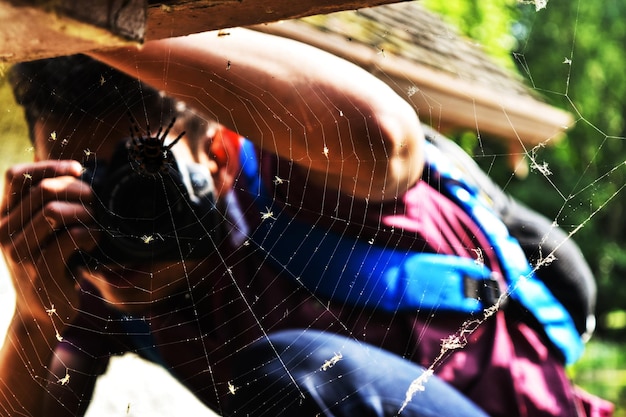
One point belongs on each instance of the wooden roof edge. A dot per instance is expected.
(467, 104)
(439, 108)
(514, 117)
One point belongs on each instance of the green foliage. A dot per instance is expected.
(15, 144)
(573, 54)
(602, 371)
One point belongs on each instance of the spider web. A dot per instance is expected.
(132, 386)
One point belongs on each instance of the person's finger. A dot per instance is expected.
(45, 193)
(53, 218)
(19, 179)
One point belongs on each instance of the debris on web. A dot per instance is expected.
(65, 380)
(278, 180)
(269, 214)
(539, 4)
(480, 258)
(453, 342)
(332, 361)
(543, 168)
(418, 385)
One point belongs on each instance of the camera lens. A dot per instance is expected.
(144, 214)
(147, 205)
(165, 215)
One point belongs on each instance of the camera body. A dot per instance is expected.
(147, 216)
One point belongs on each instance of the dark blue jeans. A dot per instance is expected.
(310, 373)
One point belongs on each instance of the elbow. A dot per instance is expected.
(399, 159)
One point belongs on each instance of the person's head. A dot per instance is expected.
(76, 108)
(75, 103)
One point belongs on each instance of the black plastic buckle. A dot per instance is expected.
(487, 290)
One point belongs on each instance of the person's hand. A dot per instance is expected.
(44, 220)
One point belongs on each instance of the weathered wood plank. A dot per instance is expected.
(176, 18)
(39, 29)
(32, 29)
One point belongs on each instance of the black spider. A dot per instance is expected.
(148, 154)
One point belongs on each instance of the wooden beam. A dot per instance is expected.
(176, 18)
(33, 29)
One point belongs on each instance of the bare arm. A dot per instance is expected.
(27, 349)
(316, 109)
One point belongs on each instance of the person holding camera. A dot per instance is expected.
(212, 284)
(103, 243)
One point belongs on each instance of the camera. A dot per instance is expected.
(169, 214)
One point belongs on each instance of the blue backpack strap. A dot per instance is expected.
(348, 269)
(524, 287)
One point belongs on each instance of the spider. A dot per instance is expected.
(149, 153)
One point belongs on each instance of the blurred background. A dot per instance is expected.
(571, 54)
